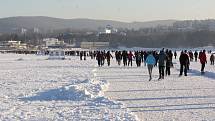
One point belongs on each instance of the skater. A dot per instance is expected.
(184, 60)
(203, 60)
(150, 60)
(161, 64)
(212, 59)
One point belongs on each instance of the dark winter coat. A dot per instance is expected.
(162, 59)
(196, 54)
(212, 57)
(168, 62)
(108, 56)
(184, 59)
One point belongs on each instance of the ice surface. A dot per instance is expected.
(34, 88)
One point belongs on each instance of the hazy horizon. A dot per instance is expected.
(117, 10)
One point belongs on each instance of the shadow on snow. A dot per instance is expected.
(158, 90)
(207, 74)
(167, 98)
(176, 109)
(194, 72)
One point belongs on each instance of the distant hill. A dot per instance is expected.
(48, 23)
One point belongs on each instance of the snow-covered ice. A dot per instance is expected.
(175, 98)
(34, 88)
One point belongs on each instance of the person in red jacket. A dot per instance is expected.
(203, 60)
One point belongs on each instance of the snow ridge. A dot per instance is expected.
(87, 92)
(99, 87)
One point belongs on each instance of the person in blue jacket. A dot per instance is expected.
(150, 60)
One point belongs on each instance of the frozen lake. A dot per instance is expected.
(34, 88)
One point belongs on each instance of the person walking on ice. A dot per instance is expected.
(203, 61)
(175, 54)
(130, 58)
(125, 57)
(161, 63)
(196, 55)
(212, 59)
(108, 57)
(184, 60)
(150, 61)
(99, 58)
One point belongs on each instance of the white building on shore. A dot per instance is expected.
(53, 43)
(17, 45)
(108, 30)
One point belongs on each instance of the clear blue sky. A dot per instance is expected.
(121, 10)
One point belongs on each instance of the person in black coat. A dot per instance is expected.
(138, 58)
(99, 58)
(175, 54)
(196, 55)
(184, 61)
(125, 58)
(168, 65)
(161, 64)
(85, 55)
(81, 55)
(212, 57)
(145, 56)
(108, 57)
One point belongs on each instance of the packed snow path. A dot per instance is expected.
(175, 98)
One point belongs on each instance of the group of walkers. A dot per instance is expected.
(163, 59)
(128, 57)
(186, 57)
(101, 56)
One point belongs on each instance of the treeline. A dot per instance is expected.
(156, 40)
(132, 38)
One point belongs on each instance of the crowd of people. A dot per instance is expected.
(163, 59)
(151, 59)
